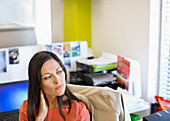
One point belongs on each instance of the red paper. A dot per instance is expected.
(123, 71)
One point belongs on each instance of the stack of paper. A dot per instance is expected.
(106, 58)
(102, 78)
(133, 103)
(106, 62)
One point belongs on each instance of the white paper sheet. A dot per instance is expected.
(106, 58)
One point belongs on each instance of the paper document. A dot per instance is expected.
(133, 103)
(102, 78)
(106, 58)
(135, 78)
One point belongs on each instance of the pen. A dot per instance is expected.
(166, 111)
(159, 114)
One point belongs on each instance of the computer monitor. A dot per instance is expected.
(12, 96)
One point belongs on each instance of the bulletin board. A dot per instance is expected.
(14, 61)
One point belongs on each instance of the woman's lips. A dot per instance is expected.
(58, 87)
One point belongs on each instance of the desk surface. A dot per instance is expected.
(143, 107)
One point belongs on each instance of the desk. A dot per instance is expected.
(145, 107)
(134, 104)
(142, 112)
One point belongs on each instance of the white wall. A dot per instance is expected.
(43, 21)
(122, 27)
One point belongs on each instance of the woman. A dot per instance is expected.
(49, 98)
(16, 59)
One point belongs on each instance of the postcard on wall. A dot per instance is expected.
(67, 62)
(57, 49)
(66, 50)
(123, 72)
(48, 47)
(75, 48)
(3, 65)
(14, 56)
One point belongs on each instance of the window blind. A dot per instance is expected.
(164, 78)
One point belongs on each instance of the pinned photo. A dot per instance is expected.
(48, 47)
(57, 49)
(14, 56)
(67, 62)
(66, 50)
(75, 48)
(3, 62)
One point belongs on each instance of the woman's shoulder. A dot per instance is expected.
(23, 107)
(24, 103)
(79, 106)
(81, 110)
(23, 111)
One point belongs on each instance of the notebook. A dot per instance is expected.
(12, 96)
(158, 116)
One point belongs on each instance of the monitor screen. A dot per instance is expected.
(12, 95)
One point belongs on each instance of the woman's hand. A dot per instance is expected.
(43, 108)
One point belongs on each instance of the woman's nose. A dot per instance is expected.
(56, 79)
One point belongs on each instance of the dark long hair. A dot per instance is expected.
(34, 78)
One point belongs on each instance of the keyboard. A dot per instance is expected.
(14, 116)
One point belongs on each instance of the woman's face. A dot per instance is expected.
(53, 79)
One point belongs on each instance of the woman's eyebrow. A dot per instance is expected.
(49, 73)
(58, 68)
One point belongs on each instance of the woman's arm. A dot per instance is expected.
(43, 108)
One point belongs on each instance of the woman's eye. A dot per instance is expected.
(48, 77)
(58, 72)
